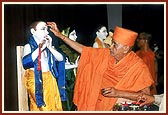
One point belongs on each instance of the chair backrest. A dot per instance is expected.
(22, 91)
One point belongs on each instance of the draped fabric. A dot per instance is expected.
(100, 43)
(97, 70)
(56, 68)
(51, 93)
(149, 58)
(39, 82)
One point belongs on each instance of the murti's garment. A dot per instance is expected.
(149, 58)
(100, 43)
(96, 70)
(57, 70)
(51, 93)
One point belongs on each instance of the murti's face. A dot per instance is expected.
(102, 33)
(41, 31)
(73, 35)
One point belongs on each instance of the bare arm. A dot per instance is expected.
(114, 93)
(75, 45)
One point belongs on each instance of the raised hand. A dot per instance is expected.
(48, 41)
(54, 28)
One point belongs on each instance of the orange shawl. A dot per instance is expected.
(97, 70)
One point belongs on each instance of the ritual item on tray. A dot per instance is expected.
(134, 106)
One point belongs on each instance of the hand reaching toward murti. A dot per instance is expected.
(54, 28)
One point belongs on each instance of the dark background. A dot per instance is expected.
(85, 18)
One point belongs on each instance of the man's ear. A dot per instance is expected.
(32, 30)
(126, 49)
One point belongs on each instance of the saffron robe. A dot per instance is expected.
(149, 58)
(96, 70)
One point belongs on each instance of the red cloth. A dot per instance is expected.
(97, 70)
(39, 59)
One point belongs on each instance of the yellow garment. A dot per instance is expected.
(50, 92)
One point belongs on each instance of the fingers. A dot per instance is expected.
(144, 99)
(53, 25)
(48, 37)
(105, 91)
(142, 104)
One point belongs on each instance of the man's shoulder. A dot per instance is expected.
(135, 59)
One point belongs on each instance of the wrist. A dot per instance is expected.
(62, 37)
(119, 94)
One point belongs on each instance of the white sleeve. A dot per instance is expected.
(159, 101)
(26, 50)
(56, 54)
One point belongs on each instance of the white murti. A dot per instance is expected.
(41, 35)
(68, 65)
(101, 35)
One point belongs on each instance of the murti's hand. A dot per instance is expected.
(48, 42)
(77, 60)
(42, 44)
